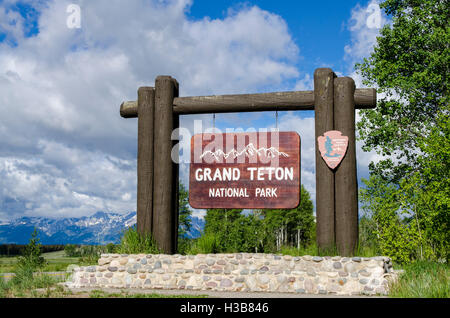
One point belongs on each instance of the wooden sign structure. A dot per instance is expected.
(246, 170)
(333, 100)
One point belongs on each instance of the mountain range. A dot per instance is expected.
(99, 228)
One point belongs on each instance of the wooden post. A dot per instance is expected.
(324, 121)
(346, 186)
(163, 191)
(175, 178)
(146, 106)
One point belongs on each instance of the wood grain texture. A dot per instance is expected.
(245, 103)
(163, 191)
(129, 109)
(324, 121)
(175, 180)
(365, 98)
(346, 186)
(287, 191)
(146, 104)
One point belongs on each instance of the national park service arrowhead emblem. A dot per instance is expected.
(332, 147)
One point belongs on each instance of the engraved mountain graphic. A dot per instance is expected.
(249, 151)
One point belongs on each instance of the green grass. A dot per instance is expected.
(205, 244)
(58, 261)
(24, 284)
(132, 242)
(7, 264)
(422, 280)
(312, 250)
(294, 251)
(366, 251)
(55, 262)
(3, 288)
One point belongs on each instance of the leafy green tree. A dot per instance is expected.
(222, 223)
(368, 241)
(232, 230)
(294, 227)
(71, 250)
(410, 126)
(381, 202)
(410, 65)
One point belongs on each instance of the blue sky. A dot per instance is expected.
(65, 150)
(317, 27)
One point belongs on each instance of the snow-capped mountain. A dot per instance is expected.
(100, 228)
(249, 151)
(197, 226)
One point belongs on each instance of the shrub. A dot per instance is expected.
(110, 248)
(71, 250)
(184, 245)
(205, 244)
(133, 242)
(4, 288)
(91, 253)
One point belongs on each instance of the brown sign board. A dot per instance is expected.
(245, 170)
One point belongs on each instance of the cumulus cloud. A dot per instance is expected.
(64, 150)
(305, 84)
(364, 26)
(304, 126)
(65, 182)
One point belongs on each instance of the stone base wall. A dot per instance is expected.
(239, 272)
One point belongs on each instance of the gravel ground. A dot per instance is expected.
(211, 294)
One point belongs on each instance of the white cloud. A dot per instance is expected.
(363, 32)
(64, 150)
(304, 84)
(66, 182)
(290, 121)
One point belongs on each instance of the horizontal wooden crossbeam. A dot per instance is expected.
(365, 98)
